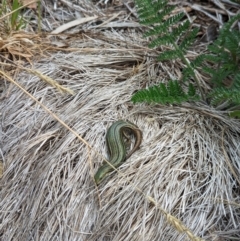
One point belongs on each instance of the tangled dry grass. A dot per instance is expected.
(183, 183)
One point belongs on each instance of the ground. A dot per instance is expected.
(62, 86)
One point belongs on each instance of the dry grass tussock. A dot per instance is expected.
(182, 184)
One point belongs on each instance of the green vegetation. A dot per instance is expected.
(221, 64)
(170, 93)
(14, 21)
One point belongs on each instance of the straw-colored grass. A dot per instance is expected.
(182, 184)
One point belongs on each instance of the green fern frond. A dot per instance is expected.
(162, 34)
(227, 26)
(188, 72)
(192, 91)
(152, 12)
(167, 29)
(166, 40)
(188, 39)
(166, 94)
(155, 17)
(168, 55)
(163, 27)
(221, 63)
(149, 11)
(221, 94)
(232, 40)
(213, 58)
(236, 82)
(180, 29)
(217, 76)
(146, 6)
(231, 94)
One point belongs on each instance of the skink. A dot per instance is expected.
(117, 147)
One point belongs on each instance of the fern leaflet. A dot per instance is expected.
(166, 94)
